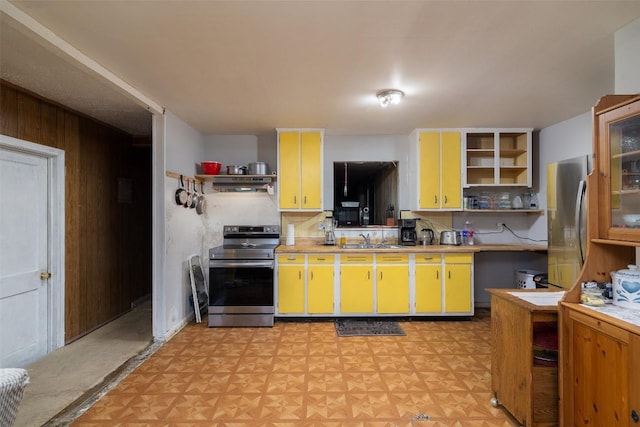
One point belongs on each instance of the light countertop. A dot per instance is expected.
(317, 246)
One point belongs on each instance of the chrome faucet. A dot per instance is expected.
(367, 238)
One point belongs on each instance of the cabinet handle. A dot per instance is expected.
(634, 416)
(445, 199)
(381, 275)
(368, 275)
(449, 275)
(437, 274)
(299, 275)
(295, 199)
(312, 275)
(305, 200)
(435, 199)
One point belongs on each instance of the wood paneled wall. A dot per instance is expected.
(108, 243)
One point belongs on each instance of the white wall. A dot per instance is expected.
(241, 149)
(627, 53)
(230, 149)
(183, 226)
(236, 208)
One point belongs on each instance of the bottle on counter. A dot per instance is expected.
(467, 234)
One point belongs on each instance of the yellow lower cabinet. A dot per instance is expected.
(428, 286)
(356, 283)
(290, 284)
(457, 283)
(320, 279)
(392, 286)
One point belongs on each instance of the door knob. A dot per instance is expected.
(45, 275)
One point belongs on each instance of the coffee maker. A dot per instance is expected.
(408, 235)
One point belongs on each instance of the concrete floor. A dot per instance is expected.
(65, 381)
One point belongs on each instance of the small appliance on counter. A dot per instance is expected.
(426, 236)
(408, 235)
(329, 224)
(450, 238)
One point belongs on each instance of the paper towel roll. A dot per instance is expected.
(291, 235)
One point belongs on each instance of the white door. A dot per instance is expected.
(24, 295)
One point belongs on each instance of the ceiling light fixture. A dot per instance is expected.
(389, 96)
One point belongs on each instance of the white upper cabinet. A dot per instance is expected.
(497, 157)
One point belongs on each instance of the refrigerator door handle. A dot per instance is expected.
(582, 191)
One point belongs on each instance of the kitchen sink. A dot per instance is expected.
(369, 246)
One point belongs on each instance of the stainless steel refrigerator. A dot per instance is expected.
(567, 218)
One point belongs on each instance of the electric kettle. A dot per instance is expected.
(426, 236)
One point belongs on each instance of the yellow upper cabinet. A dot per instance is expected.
(300, 169)
(438, 170)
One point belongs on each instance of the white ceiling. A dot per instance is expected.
(247, 67)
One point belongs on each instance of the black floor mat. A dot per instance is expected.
(355, 328)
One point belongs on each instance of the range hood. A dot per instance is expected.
(241, 182)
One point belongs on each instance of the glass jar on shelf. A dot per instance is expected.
(483, 200)
(504, 202)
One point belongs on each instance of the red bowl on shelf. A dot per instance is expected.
(211, 168)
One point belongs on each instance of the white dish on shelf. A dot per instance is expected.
(631, 219)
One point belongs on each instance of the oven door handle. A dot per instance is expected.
(244, 264)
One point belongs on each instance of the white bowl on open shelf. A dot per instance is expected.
(632, 220)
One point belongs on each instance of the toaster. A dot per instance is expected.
(450, 238)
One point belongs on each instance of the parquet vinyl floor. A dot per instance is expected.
(303, 374)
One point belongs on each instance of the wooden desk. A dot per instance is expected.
(529, 392)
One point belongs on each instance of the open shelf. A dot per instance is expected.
(527, 211)
(498, 158)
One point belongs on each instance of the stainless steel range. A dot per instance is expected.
(241, 276)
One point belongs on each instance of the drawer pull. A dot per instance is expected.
(321, 259)
(291, 258)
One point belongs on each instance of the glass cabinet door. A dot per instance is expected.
(624, 153)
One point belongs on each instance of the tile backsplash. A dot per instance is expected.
(307, 224)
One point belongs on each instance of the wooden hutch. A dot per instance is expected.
(599, 371)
